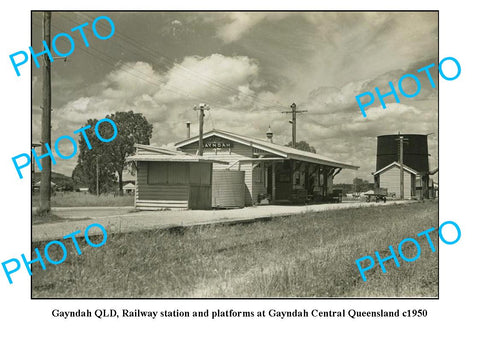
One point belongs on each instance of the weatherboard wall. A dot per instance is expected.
(390, 179)
(158, 196)
(177, 185)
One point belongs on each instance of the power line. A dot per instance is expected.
(137, 46)
(123, 67)
(155, 54)
(145, 77)
(114, 63)
(210, 114)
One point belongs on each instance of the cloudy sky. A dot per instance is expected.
(248, 67)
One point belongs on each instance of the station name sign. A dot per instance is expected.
(218, 144)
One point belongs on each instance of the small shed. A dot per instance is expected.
(129, 188)
(389, 178)
(171, 179)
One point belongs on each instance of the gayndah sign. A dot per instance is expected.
(218, 143)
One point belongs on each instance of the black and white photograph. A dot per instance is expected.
(239, 170)
(235, 154)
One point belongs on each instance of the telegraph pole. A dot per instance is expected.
(401, 141)
(200, 107)
(34, 146)
(46, 177)
(294, 122)
(402, 189)
(98, 171)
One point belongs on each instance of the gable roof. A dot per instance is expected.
(276, 149)
(148, 153)
(406, 168)
(173, 158)
(129, 186)
(140, 148)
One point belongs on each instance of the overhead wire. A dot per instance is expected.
(147, 78)
(135, 73)
(171, 62)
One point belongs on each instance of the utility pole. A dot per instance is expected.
(98, 171)
(402, 189)
(46, 177)
(294, 122)
(202, 108)
(401, 140)
(34, 146)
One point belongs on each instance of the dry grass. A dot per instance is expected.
(309, 255)
(39, 218)
(81, 199)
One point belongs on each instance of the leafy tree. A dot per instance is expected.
(361, 185)
(131, 128)
(302, 145)
(85, 174)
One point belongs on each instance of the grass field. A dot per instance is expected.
(309, 255)
(81, 199)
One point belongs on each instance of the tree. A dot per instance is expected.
(360, 185)
(131, 128)
(302, 145)
(85, 174)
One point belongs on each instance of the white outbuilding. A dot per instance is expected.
(389, 178)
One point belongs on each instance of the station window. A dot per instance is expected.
(167, 173)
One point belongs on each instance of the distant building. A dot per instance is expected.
(129, 188)
(415, 157)
(36, 186)
(389, 178)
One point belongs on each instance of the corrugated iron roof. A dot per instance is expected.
(173, 158)
(157, 149)
(280, 150)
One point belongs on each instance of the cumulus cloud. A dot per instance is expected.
(207, 77)
(235, 24)
(167, 98)
(257, 67)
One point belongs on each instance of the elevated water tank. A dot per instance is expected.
(415, 151)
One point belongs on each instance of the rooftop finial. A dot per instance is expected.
(270, 134)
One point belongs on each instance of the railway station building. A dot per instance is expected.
(234, 171)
